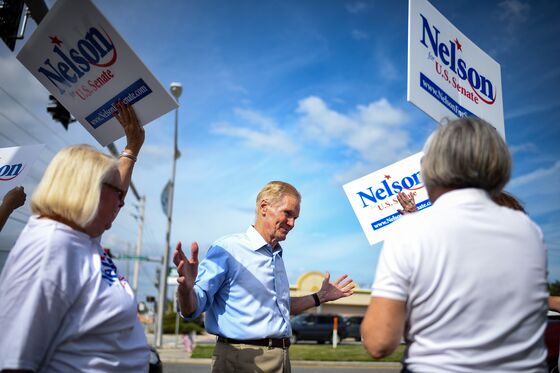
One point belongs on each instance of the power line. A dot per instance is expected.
(124, 227)
(152, 236)
(151, 233)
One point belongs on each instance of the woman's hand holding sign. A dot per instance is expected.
(133, 130)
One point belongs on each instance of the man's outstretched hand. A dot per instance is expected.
(186, 268)
(343, 287)
(407, 202)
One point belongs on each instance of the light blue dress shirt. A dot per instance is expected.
(243, 287)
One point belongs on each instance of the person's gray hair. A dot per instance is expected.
(274, 191)
(466, 153)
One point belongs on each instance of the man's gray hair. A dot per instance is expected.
(275, 190)
(466, 153)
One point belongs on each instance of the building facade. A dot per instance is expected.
(355, 305)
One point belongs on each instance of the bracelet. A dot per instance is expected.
(129, 156)
(316, 299)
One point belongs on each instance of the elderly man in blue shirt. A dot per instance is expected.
(243, 287)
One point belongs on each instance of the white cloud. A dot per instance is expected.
(532, 109)
(270, 140)
(359, 35)
(237, 88)
(514, 10)
(513, 13)
(527, 147)
(551, 233)
(381, 112)
(321, 123)
(536, 175)
(356, 7)
(539, 189)
(256, 118)
(158, 152)
(267, 136)
(357, 170)
(373, 131)
(386, 67)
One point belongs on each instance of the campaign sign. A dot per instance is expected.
(374, 197)
(84, 62)
(15, 163)
(448, 75)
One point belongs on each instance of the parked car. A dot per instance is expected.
(309, 327)
(353, 327)
(155, 361)
(552, 340)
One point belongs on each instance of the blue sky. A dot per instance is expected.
(310, 92)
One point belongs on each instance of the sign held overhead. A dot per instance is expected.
(87, 66)
(448, 75)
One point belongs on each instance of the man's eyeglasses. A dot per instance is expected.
(120, 193)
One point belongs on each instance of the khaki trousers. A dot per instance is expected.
(243, 358)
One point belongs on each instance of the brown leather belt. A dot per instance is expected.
(266, 342)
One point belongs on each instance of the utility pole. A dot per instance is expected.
(128, 262)
(176, 90)
(138, 244)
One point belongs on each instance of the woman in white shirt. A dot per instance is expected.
(464, 281)
(64, 306)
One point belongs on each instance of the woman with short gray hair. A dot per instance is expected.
(466, 153)
(465, 281)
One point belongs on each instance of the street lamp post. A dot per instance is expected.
(176, 90)
(138, 244)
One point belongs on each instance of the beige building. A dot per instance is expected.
(355, 305)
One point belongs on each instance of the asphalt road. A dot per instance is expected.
(202, 368)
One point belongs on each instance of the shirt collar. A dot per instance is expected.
(256, 241)
(462, 196)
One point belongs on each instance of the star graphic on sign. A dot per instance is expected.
(387, 177)
(459, 46)
(55, 40)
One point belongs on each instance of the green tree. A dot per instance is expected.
(185, 327)
(554, 288)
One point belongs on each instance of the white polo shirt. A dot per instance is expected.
(473, 276)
